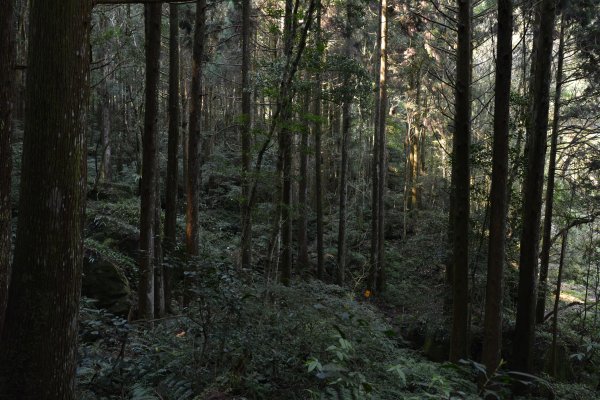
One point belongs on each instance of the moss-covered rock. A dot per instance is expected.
(104, 281)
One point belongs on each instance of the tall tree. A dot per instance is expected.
(346, 127)
(194, 136)
(170, 234)
(461, 171)
(303, 192)
(317, 130)
(38, 344)
(284, 163)
(381, 165)
(246, 138)
(173, 141)
(546, 237)
(492, 338)
(149, 165)
(532, 191)
(7, 49)
(376, 278)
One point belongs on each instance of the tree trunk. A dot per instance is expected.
(377, 213)
(159, 272)
(302, 193)
(546, 238)
(38, 349)
(170, 233)
(149, 167)
(561, 264)
(105, 125)
(492, 338)
(194, 136)
(285, 155)
(532, 193)
(345, 139)
(246, 138)
(341, 255)
(318, 156)
(173, 141)
(459, 343)
(7, 49)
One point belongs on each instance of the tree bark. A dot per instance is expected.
(170, 232)
(159, 271)
(194, 136)
(343, 193)
(532, 194)
(246, 139)
(173, 141)
(459, 342)
(377, 213)
(317, 130)
(345, 139)
(303, 193)
(285, 156)
(561, 264)
(149, 167)
(38, 345)
(7, 75)
(547, 233)
(492, 337)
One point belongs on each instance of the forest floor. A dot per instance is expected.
(243, 337)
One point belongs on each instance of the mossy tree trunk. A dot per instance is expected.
(38, 343)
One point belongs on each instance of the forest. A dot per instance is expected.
(299, 199)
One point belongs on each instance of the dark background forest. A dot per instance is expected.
(299, 199)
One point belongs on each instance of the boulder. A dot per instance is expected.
(106, 282)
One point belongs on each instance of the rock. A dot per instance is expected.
(113, 192)
(437, 346)
(105, 282)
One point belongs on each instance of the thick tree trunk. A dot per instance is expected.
(492, 339)
(7, 60)
(532, 193)
(246, 139)
(38, 345)
(459, 343)
(194, 136)
(149, 167)
(546, 237)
